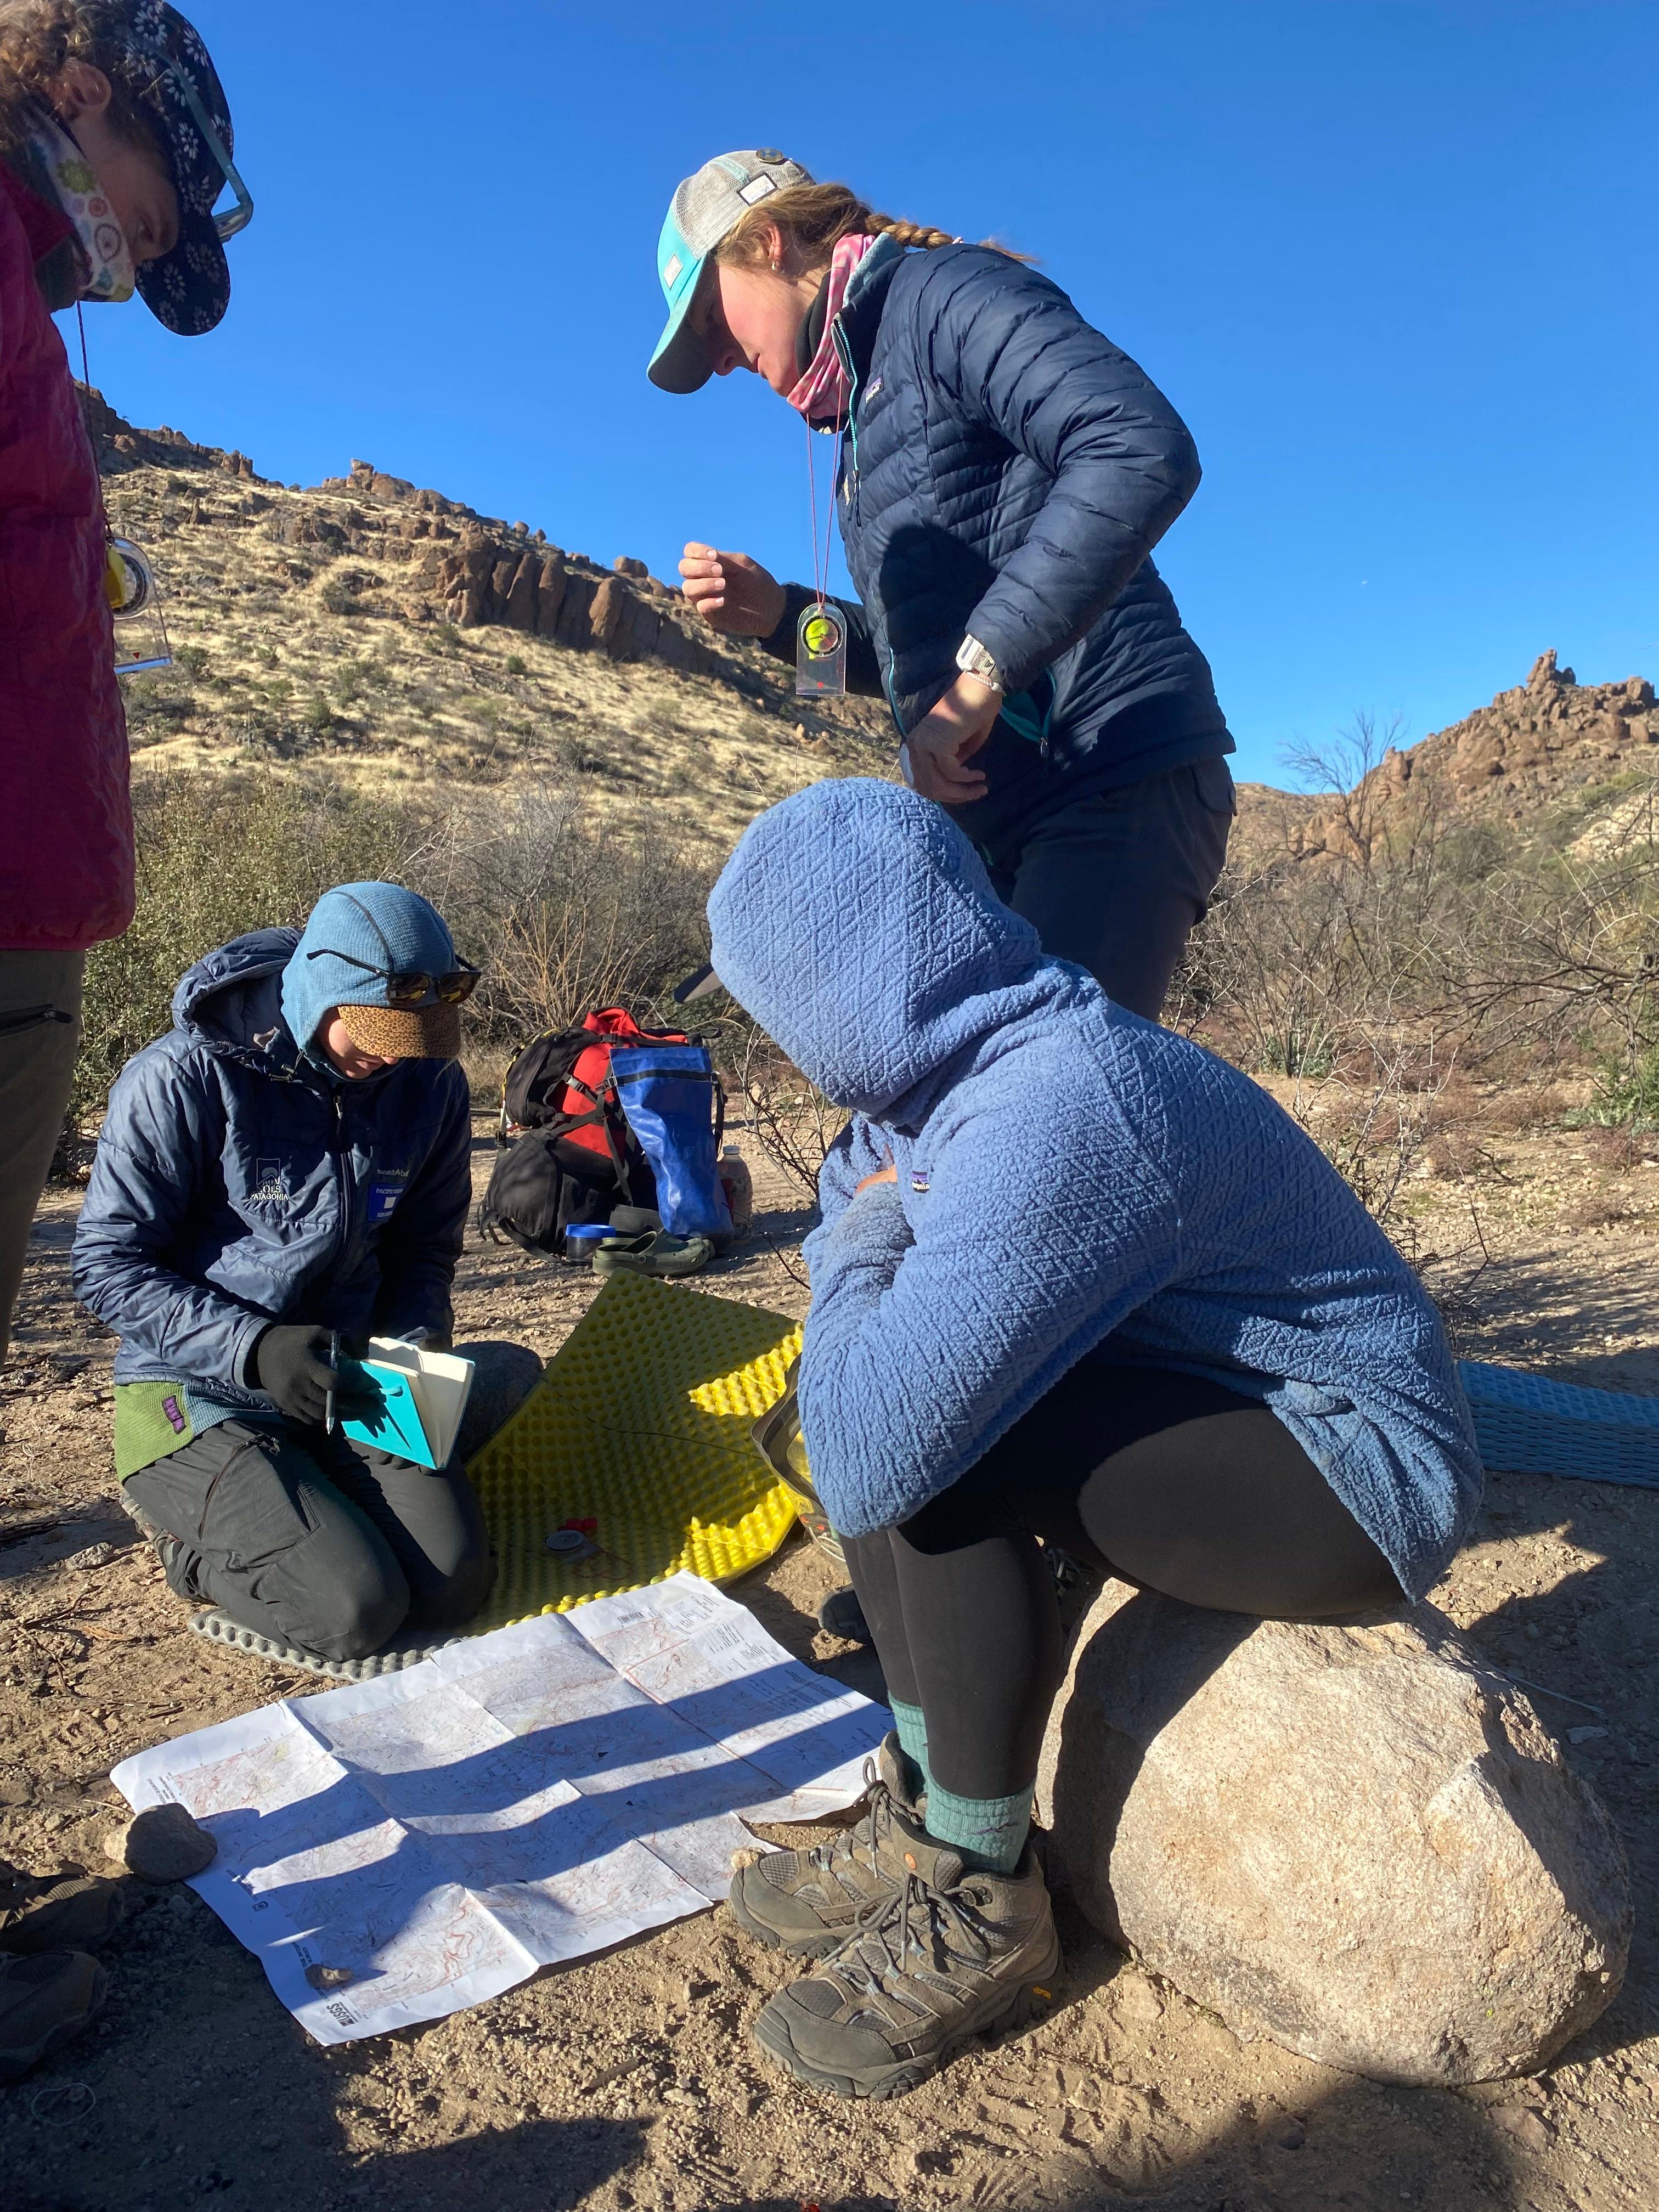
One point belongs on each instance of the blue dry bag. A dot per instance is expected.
(676, 1107)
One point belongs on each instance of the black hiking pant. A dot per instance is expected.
(316, 1540)
(1168, 1480)
(1118, 882)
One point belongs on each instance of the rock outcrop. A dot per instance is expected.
(438, 560)
(1352, 1840)
(1536, 744)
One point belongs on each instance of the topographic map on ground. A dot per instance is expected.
(398, 1850)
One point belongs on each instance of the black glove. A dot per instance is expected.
(287, 1366)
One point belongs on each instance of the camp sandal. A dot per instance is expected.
(952, 1953)
(45, 1999)
(69, 1911)
(656, 1253)
(808, 1902)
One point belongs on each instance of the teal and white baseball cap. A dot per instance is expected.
(699, 215)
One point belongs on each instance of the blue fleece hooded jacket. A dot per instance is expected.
(240, 1182)
(1071, 1180)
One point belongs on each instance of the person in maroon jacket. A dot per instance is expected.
(114, 159)
(115, 146)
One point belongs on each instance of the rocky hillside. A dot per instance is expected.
(381, 633)
(1549, 744)
(378, 633)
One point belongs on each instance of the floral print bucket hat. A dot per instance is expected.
(168, 75)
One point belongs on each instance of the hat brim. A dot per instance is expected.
(398, 1033)
(188, 291)
(681, 362)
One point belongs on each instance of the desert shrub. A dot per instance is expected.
(565, 909)
(338, 596)
(1414, 944)
(789, 1118)
(1628, 1090)
(261, 853)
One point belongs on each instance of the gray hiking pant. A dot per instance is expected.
(1118, 881)
(315, 1540)
(39, 1037)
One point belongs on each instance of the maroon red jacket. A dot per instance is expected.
(65, 819)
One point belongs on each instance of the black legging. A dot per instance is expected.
(1170, 1481)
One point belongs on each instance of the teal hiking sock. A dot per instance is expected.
(988, 1832)
(912, 1732)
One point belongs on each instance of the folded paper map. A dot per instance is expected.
(402, 1849)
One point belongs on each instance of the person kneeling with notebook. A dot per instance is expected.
(287, 1167)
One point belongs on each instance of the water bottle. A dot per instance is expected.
(740, 1187)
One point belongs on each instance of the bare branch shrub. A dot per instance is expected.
(790, 1119)
(564, 909)
(1396, 944)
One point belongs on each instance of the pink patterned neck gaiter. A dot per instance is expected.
(825, 391)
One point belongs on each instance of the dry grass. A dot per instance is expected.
(313, 662)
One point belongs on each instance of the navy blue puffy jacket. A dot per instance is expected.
(1006, 474)
(238, 1183)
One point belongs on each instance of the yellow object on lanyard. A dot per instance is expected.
(134, 598)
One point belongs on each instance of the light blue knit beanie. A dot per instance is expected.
(361, 933)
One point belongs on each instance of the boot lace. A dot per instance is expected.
(915, 1930)
(863, 1844)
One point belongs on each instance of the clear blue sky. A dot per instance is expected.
(1395, 264)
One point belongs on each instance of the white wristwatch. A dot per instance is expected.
(975, 659)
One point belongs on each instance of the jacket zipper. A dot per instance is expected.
(844, 354)
(345, 1180)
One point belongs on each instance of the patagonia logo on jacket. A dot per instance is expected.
(270, 1185)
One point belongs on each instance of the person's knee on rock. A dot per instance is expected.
(326, 1203)
(1076, 1280)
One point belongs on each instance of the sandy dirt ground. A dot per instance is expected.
(629, 2080)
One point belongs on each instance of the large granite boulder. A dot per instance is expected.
(1352, 1840)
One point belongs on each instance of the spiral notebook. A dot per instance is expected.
(419, 1399)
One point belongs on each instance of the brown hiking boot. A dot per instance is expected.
(45, 1999)
(809, 1901)
(72, 1911)
(951, 1954)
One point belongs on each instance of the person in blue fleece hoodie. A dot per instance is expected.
(292, 1160)
(1076, 1278)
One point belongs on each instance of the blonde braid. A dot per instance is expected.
(910, 234)
(811, 218)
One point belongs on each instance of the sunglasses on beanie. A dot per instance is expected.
(412, 988)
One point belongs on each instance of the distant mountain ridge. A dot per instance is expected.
(1543, 741)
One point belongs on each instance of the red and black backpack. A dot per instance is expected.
(569, 1156)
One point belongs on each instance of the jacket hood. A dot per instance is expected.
(857, 925)
(233, 995)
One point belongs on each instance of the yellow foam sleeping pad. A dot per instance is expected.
(634, 1453)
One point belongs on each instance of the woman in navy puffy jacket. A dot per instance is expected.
(1005, 473)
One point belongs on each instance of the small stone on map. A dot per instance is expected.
(329, 1977)
(163, 1844)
